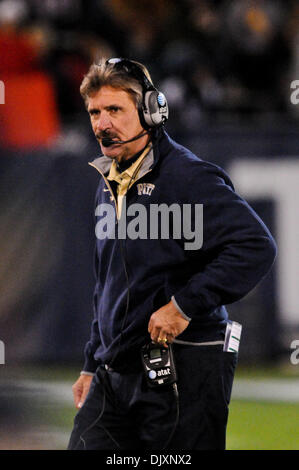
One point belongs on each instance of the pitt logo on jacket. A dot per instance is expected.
(145, 188)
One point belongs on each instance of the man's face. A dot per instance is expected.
(113, 114)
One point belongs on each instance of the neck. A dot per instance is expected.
(124, 164)
(138, 148)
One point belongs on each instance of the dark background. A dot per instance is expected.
(226, 69)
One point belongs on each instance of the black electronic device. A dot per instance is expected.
(158, 363)
(153, 111)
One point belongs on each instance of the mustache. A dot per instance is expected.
(102, 135)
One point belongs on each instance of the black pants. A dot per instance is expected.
(122, 412)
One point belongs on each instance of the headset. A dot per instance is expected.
(153, 111)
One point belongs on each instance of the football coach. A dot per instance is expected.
(160, 361)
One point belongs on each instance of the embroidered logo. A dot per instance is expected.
(145, 188)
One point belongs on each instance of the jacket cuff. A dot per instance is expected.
(179, 309)
(90, 365)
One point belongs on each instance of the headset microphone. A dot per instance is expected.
(107, 142)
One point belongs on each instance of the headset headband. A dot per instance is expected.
(132, 69)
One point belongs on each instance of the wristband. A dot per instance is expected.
(84, 372)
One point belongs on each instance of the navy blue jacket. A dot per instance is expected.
(236, 253)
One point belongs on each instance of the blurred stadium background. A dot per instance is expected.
(226, 67)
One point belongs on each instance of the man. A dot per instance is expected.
(160, 289)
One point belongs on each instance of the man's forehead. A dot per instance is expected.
(107, 95)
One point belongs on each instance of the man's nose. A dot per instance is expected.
(103, 123)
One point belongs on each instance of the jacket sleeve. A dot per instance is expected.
(90, 364)
(237, 251)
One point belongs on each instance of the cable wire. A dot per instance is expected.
(176, 394)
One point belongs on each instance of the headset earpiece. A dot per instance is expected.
(154, 109)
(153, 112)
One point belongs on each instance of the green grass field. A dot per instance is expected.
(253, 424)
(264, 425)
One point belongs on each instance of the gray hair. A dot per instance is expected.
(105, 74)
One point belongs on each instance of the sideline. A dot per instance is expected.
(275, 390)
(278, 390)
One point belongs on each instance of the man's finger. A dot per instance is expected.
(154, 332)
(170, 338)
(84, 395)
(81, 400)
(149, 328)
(77, 395)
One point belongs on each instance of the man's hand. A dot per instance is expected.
(166, 323)
(81, 389)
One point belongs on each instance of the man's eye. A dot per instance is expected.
(114, 109)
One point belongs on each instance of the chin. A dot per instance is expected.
(121, 152)
(111, 152)
(107, 150)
